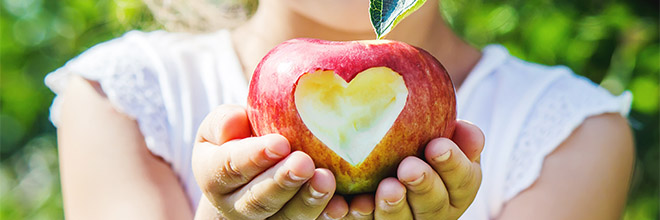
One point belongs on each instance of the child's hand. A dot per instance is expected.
(448, 184)
(247, 177)
(442, 187)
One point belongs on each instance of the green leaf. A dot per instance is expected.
(385, 14)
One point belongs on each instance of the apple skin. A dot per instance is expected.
(429, 112)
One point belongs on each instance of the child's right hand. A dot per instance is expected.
(246, 177)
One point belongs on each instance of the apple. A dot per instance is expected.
(357, 108)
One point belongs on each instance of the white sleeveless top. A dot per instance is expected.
(168, 82)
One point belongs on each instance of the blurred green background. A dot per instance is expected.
(612, 42)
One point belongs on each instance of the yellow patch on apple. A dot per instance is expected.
(351, 118)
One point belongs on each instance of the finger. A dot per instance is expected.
(224, 123)
(337, 209)
(310, 201)
(469, 138)
(460, 176)
(267, 193)
(222, 169)
(426, 193)
(361, 207)
(391, 200)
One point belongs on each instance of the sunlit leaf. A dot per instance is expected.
(385, 14)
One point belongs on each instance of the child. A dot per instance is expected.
(129, 111)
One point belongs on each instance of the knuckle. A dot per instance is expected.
(440, 205)
(424, 188)
(212, 186)
(232, 171)
(457, 171)
(256, 161)
(466, 189)
(254, 206)
(433, 211)
(209, 186)
(229, 212)
(290, 186)
(450, 167)
(230, 174)
(466, 181)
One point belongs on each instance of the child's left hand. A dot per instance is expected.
(443, 187)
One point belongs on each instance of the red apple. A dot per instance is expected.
(357, 108)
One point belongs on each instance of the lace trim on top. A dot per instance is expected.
(558, 111)
(132, 87)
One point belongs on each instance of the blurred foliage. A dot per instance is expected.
(612, 42)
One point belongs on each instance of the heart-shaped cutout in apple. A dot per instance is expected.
(357, 108)
(350, 118)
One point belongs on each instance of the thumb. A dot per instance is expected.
(469, 139)
(224, 123)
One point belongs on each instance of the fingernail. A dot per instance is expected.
(315, 193)
(443, 157)
(272, 155)
(417, 181)
(294, 177)
(394, 203)
(358, 213)
(327, 216)
(292, 180)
